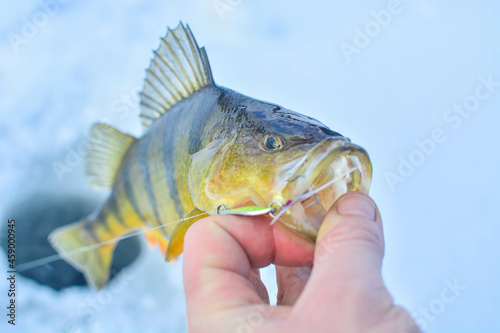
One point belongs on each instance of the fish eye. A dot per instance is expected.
(273, 142)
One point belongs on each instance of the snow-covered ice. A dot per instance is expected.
(85, 61)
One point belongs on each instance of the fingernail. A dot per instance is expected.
(356, 205)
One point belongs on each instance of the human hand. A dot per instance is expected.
(344, 291)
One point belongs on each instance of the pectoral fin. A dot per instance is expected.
(176, 243)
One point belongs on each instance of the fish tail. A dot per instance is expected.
(76, 244)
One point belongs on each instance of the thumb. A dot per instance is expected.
(350, 240)
(349, 251)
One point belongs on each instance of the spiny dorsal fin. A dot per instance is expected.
(105, 152)
(178, 69)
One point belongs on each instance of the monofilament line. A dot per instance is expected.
(47, 260)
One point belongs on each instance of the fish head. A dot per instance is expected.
(269, 156)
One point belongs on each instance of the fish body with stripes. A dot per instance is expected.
(205, 148)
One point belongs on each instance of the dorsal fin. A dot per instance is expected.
(178, 69)
(106, 149)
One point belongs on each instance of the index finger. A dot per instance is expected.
(220, 253)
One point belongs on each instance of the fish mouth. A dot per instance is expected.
(333, 167)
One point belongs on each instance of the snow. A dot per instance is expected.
(84, 62)
(146, 295)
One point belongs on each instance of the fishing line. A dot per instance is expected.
(306, 195)
(47, 260)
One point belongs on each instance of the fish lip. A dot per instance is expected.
(317, 154)
(290, 169)
(336, 166)
(310, 167)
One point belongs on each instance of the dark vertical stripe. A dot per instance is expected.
(157, 173)
(204, 114)
(142, 158)
(103, 214)
(113, 206)
(129, 191)
(198, 131)
(89, 225)
(169, 141)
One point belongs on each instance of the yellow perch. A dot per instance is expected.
(205, 149)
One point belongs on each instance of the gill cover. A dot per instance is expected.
(204, 178)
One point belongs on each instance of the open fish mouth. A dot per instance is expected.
(330, 169)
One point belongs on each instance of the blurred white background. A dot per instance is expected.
(417, 83)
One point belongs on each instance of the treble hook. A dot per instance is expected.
(311, 189)
(316, 199)
(295, 178)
